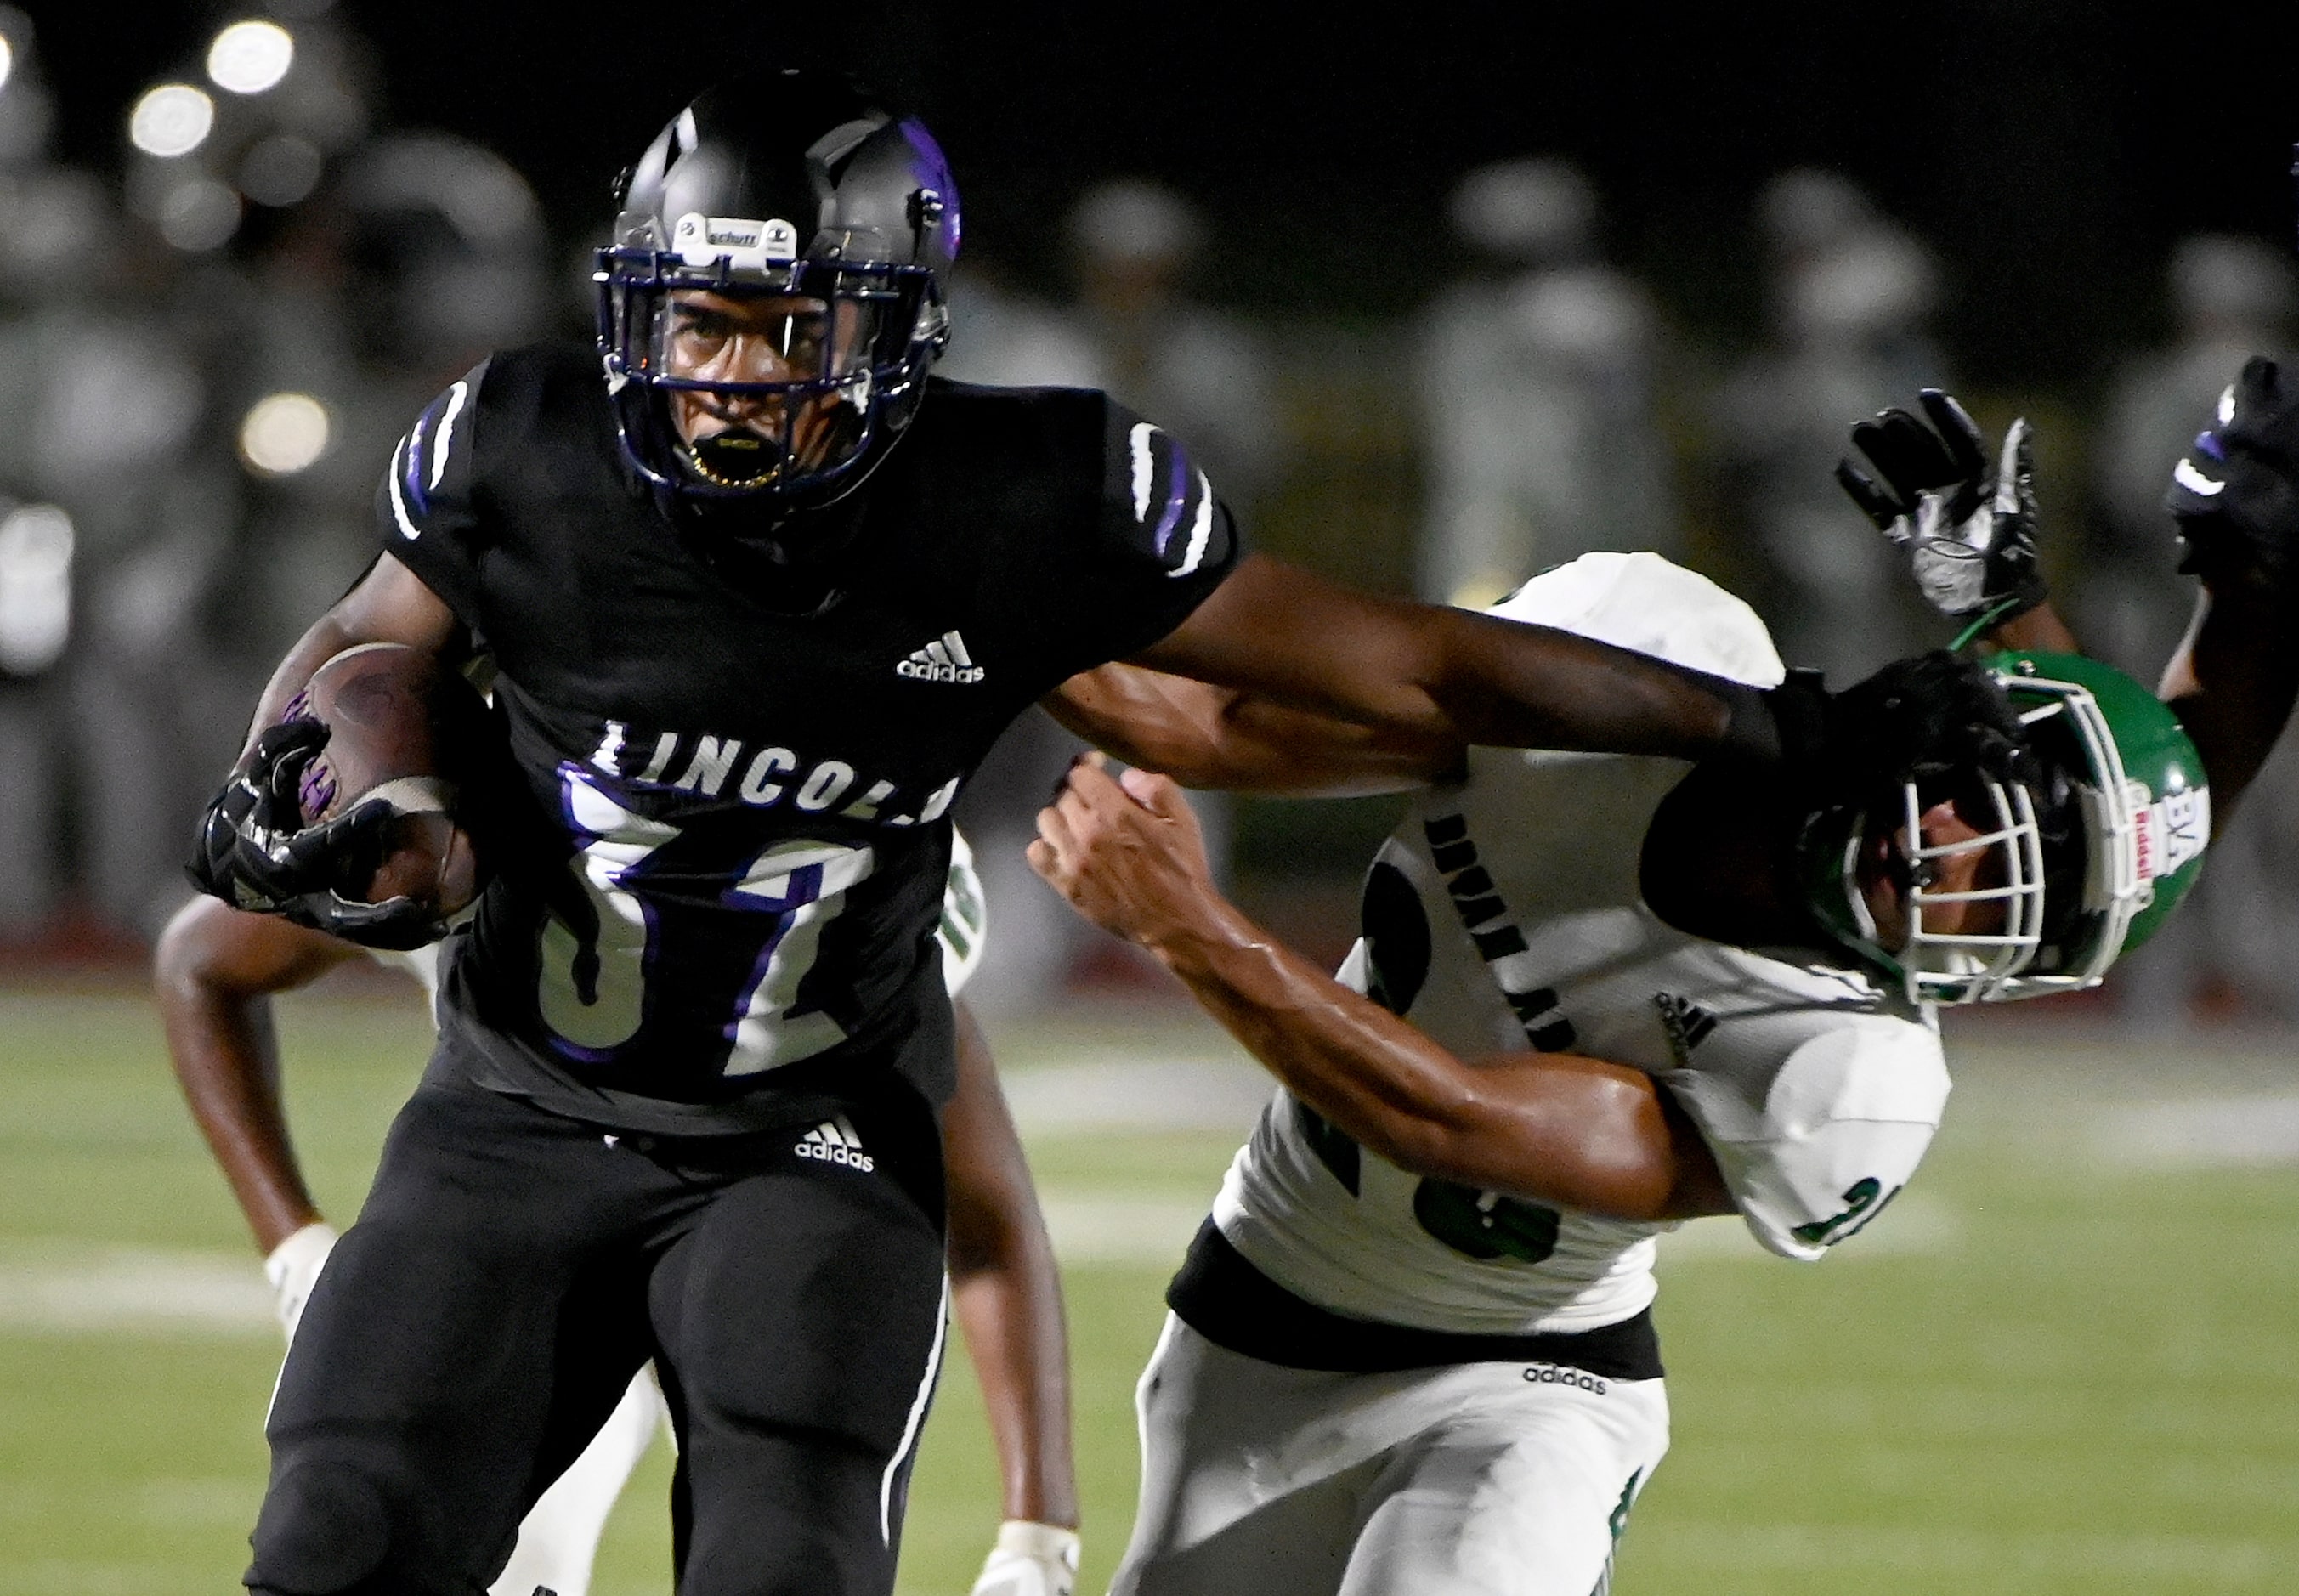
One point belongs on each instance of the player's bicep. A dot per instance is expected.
(392, 604)
(1278, 632)
(1208, 736)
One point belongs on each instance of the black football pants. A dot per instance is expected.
(512, 1270)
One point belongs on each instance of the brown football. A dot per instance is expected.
(393, 713)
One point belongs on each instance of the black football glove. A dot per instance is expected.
(253, 851)
(1968, 532)
(1928, 716)
(2236, 496)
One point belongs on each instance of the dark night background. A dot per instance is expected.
(2051, 149)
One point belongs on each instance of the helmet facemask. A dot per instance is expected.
(1937, 960)
(2079, 861)
(692, 334)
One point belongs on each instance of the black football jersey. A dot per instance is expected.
(743, 791)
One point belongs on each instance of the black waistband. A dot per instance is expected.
(1232, 1304)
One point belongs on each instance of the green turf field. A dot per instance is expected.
(2066, 1362)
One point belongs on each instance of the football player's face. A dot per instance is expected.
(1885, 876)
(756, 338)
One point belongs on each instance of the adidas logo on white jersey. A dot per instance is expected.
(944, 659)
(833, 1142)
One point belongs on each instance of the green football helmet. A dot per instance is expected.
(2088, 862)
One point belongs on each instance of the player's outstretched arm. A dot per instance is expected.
(1009, 1307)
(213, 972)
(1448, 675)
(1554, 1127)
(1439, 678)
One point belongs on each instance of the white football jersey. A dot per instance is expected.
(964, 922)
(1505, 913)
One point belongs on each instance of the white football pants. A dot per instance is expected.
(559, 1534)
(1473, 1479)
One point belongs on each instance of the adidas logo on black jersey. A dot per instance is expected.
(1687, 1023)
(944, 659)
(833, 1142)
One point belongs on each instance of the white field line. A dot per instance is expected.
(60, 1287)
(1138, 1231)
(1118, 1091)
(2201, 1133)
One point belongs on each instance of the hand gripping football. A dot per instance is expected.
(400, 729)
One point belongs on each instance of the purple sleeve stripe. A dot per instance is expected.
(412, 474)
(1180, 479)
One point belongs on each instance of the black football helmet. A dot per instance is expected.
(796, 187)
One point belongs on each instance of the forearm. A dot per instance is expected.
(1010, 1309)
(226, 1060)
(1505, 685)
(213, 974)
(1575, 1132)
(1008, 1291)
(2232, 682)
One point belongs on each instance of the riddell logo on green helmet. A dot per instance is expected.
(2172, 832)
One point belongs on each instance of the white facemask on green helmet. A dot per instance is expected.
(2086, 865)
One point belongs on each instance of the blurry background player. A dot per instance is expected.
(217, 967)
(1411, 1351)
(1537, 392)
(1137, 328)
(1850, 295)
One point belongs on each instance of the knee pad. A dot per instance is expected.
(324, 1528)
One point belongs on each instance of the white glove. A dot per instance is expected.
(1030, 1559)
(1969, 532)
(293, 1269)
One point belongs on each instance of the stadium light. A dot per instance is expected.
(174, 118)
(35, 555)
(250, 57)
(283, 434)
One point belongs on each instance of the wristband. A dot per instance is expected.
(303, 1251)
(1043, 1541)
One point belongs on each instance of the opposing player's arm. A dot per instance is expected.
(1207, 737)
(1008, 1294)
(2232, 682)
(212, 973)
(1558, 1128)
